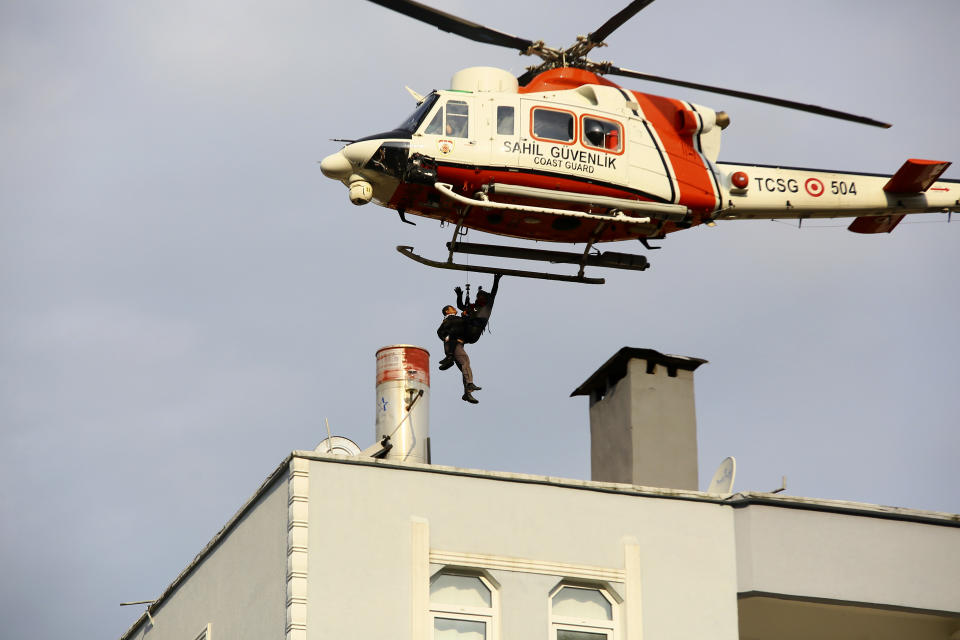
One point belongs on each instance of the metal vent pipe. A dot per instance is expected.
(403, 402)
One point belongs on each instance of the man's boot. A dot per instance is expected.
(469, 398)
(472, 387)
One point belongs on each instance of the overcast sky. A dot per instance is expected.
(185, 297)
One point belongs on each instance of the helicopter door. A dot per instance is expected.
(450, 134)
(501, 116)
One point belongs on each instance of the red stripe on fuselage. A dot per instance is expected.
(425, 201)
(693, 178)
(473, 179)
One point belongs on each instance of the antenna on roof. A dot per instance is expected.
(722, 481)
(783, 485)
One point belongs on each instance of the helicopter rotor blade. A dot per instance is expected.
(780, 102)
(453, 24)
(617, 21)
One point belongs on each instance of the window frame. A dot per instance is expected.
(466, 116)
(611, 628)
(487, 620)
(489, 616)
(575, 133)
(586, 143)
(563, 626)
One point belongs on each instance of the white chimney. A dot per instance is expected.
(643, 425)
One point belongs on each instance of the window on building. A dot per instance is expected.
(549, 124)
(462, 606)
(505, 121)
(602, 134)
(582, 613)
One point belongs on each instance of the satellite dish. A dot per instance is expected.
(723, 479)
(338, 446)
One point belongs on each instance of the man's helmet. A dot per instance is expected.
(594, 132)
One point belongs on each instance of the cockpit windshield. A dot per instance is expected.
(412, 122)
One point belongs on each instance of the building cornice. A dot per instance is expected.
(737, 500)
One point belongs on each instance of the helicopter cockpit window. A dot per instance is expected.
(416, 118)
(602, 134)
(435, 128)
(504, 121)
(553, 125)
(451, 119)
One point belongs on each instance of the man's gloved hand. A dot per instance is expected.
(457, 290)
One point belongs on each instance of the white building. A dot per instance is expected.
(355, 547)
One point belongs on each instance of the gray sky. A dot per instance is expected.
(185, 297)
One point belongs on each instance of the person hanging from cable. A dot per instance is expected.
(456, 331)
(478, 313)
(451, 331)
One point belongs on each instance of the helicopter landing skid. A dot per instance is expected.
(517, 273)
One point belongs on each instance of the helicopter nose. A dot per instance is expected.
(336, 166)
(349, 159)
(359, 153)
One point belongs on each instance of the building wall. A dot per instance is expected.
(334, 548)
(238, 587)
(845, 557)
(523, 602)
(365, 521)
(611, 435)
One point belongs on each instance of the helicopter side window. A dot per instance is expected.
(504, 121)
(457, 119)
(549, 124)
(602, 134)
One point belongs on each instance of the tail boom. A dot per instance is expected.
(878, 202)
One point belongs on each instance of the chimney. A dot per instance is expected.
(403, 404)
(643, 425)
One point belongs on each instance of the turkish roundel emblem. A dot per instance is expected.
(814, 187)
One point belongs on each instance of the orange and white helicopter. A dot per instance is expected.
(562, 154)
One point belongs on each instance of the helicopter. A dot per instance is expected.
(563, 154)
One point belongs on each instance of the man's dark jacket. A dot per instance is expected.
(451, 326)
